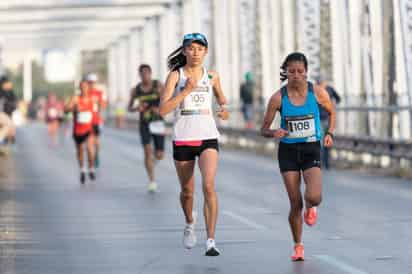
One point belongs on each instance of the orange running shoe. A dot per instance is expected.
(310, 216)
(299, 254)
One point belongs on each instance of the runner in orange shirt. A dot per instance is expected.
(100, 103)
(82, 108)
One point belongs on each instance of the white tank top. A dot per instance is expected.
(195, 119)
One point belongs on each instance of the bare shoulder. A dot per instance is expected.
(213, 74)
(319, 90)
(276, 99)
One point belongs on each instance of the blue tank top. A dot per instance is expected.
(302, 122)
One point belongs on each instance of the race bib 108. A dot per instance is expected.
(301, 126)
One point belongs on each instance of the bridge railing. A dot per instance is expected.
(367, 148)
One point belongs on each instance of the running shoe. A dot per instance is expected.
(82, 177)
(211, 249)
(310, 216)
(299, 254)
(189, 235)
(92, 175)
(152, 187)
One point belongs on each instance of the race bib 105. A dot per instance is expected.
(197, 102)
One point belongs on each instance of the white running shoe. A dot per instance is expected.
(152, 187)
(211, 249)
(189, 235)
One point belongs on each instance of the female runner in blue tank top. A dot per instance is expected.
(300, 136)
(189, 90)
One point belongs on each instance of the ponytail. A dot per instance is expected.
(176, 59)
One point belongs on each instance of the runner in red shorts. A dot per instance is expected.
(82, 108)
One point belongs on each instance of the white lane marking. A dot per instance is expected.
(339, 264)
(245, 220)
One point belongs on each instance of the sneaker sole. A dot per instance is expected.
(212, 253)
(298, 260)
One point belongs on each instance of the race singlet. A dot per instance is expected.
(197, 102)
(84, 117)
(301, 126)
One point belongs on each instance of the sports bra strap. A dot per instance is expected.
(284, 91)
(310, 87)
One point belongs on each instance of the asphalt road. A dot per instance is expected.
(49, 223)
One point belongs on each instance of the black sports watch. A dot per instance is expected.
(330, 134)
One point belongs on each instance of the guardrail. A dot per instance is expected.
(365, 151)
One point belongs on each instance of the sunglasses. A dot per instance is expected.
(194, 37)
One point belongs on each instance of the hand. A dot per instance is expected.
(155, 110)
(280, 133)
(142, 106)
(328, 141)
(190, 84)
(223, 114)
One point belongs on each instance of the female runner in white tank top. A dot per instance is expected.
(189, 91)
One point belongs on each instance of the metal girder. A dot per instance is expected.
(52, 4)
(309, 41)
(74, 38)
(72, 22)
(86, 41)
(90, 13)
(63, 26)
(60, 33)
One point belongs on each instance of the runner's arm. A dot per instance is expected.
(167, 102)
(222, 113)
(130, 106)
(323, 98)
(103, 101)
(217, 88)
(270, 114)
(160, 88)
(70, 104)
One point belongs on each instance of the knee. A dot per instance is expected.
(89, 147)
(186, 193)
(209, 189)
(296, 207)
(159, 155)
(314, 200)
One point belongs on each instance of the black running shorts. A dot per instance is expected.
(189, 153)
(96, 130)
(146, 137)
(299, 156)
(79, 139)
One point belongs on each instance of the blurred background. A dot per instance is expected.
(360, 49)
